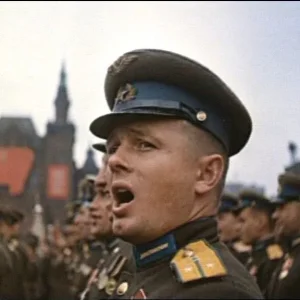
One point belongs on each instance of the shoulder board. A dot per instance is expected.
(274, 252)
(196, 261)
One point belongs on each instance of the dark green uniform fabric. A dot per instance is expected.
(286, 278)
(116, 260)
(264, 259)
(157, 280)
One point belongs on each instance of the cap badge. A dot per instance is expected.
(125, 93)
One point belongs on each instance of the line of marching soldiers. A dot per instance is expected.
(21, 269)
(264, 235)
(84, 261)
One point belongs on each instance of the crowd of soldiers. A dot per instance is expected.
(83, 260)
(154, 222)
(264, 235)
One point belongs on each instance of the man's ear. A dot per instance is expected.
(210, 171)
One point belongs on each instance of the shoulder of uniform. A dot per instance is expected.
(274, 251)
(196, 261)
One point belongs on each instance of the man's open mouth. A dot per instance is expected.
(122, 193)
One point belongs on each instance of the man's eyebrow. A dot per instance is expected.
(115, 136)
(99, 185)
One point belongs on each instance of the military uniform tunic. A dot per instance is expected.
(265, 257)
(285, 282)
(92, 252)
(104, 277)
(188, 263)
(239, 250)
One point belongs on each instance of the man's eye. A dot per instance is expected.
(145, 145)
(112, 149)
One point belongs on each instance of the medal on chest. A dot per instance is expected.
(140, 294)
(253, 270)
(286, 267)
(102, 279)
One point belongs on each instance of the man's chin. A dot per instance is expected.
(122, 228)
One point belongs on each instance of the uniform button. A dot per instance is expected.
(201, 116)
(122, 288)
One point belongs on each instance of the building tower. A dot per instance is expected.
(58, 155)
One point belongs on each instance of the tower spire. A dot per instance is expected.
(62, 102)
(89, 166)
(63, 74)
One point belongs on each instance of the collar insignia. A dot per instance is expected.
(155, 250)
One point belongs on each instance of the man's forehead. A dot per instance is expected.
(126, 131)
(144, 128)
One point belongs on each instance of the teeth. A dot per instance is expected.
(122, 190)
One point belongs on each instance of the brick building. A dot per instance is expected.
(31, 165)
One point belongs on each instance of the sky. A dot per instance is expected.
(253, 46)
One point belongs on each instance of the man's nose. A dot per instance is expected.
(117, 162)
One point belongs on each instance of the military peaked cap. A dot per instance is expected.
(229, 202)
(100, 147)
(288, 188)
(250, 198)
(10, 215)
(150, 83)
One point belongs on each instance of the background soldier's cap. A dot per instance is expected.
(289, 188)
(229, 202)
(250, 198)
(100, 147)
(90, 177)
(71, 210)
(10, 215)
(153, 83)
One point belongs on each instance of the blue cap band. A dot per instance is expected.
(159, 98)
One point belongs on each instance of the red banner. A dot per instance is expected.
(15, 167)
(58, 186)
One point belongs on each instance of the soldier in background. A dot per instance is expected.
(17, 262)
(6, 259)
(61, 256)
(286, 278)
(36, 287)
(229, 227)
(117, 256)
(257, 228)
(90, 247)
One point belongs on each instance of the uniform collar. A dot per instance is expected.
(112, 243)
(263, 244)
(166, 246)
(96, 244)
